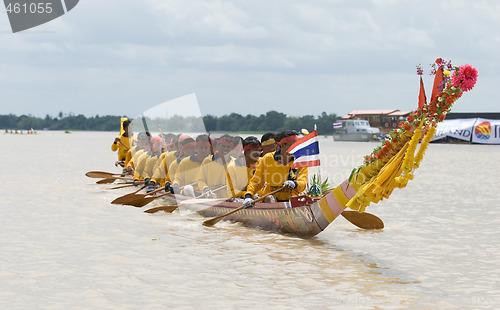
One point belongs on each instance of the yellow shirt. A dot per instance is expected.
(273, 174)
(159, 170)
(128, 156)
(187, 172)
(240, 174)
(151, 163)
(122, 150)
(170, 157)
(172, 169)
(133, 161)
(140, 165)
(212, 175)
(163, 172)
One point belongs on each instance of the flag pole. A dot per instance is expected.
(319, 167)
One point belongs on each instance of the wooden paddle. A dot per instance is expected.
(122, 200)
(106, 181)
(141, 200)
(102, 174)
(171, 208)
(122, 185)
(167, 208)
(128, 185)
(215, 220)
(213, 191)
(363, 220)
(112, 179)
(126, 147)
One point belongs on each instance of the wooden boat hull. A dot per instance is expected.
(301, 217)
(279, 217)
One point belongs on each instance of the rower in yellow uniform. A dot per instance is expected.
(174, 149)
(237, 148)
(160, 170)
(188, 169)
(242, 168)
(187, 147)
(136, 150)
(122, 143)
(162, 176)
(141, 161)
(268, 142)
(275, 171)
(145, 167)
(212, 176)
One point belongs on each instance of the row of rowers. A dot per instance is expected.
(226, 167)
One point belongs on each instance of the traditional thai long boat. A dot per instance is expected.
(389, 166)
(302, 216)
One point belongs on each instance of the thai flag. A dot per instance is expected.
(337, 125)
(306, 151)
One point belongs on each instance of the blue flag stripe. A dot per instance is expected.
(311, 149)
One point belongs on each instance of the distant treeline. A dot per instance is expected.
(234, 122)
(271, 121)
(67, 122)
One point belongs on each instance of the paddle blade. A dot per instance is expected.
(215, 220)
(141, 202)
(212, 222)
(144, 201)
(129, 197)
(125, 199)
(106, 181)
(168, 209)
(98, 174)
(363, 220)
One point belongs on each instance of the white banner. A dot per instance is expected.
(457, 128)
(486, 131)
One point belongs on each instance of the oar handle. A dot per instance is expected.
(161, 195)
(122, 186)
(161, 133)
(162, 188)
(219, 188)
(157, 190)
(215, 220)
(215, 190)
(124, 145)
(140, 189)
(269, 194)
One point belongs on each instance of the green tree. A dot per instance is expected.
(274, 121)
(325, 123)
(210, 122)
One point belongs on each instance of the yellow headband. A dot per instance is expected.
(268, 142)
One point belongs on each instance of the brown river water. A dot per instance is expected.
(64, 246)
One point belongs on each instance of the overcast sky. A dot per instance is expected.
(122, 57)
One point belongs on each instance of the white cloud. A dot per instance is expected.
(200, 18)
(246, 56)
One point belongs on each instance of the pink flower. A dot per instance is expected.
(420, 71)
(466, 77)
